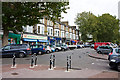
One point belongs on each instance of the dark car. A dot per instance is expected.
(38, 49)
(20, 50)
(114, 63)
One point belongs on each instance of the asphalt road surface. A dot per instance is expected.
(80, 60)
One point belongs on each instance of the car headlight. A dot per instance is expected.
(112, 60)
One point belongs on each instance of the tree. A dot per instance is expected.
(108, 28)
(18, 14)
(87, 23)
(103, 28)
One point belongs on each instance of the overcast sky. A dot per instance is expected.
(97, 7)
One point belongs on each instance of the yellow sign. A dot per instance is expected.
(34, 37)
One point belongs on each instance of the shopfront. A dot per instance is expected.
(57, 40)
(51, 40)
(68, 42)
(14, 38)
(34, 39)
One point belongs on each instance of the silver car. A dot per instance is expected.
(104, 49)
(114, 53)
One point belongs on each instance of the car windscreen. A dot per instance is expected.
(117, 51)
(57, 45)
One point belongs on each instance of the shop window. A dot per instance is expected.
(38, 29)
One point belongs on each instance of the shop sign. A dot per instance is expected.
(34, 37)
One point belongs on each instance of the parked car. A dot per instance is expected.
(52, 48)
(57, 48)
(37, 48)
(78, 46)
(64, 47)
(47, 49)
(82, 45)
(104, 49)
(92, 46)
(115, 63)
(86, 45)
(20, 50)
(114, 53)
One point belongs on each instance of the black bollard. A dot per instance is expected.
(36, 59)
(32, 61)
(50, 61)
(53, 61)
(70, 62)
(13, 60)
(67, 63)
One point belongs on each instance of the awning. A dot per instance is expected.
(76, 41)
(42, 40)
(58, 38)
(73, 41)
(30, 40)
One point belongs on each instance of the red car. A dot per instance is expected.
(96, 44)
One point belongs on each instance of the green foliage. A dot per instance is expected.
(102, 28)
(18, 14)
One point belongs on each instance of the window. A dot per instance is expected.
(76, 32)
(41, 20)
(117, 50)
(58, 33)
(51, 31)
(48, 22)
(42, 30)
(73, 31)
(48, 31)
(62, 34)
(62, 27)
(7, 48)
(66, 28)
(38, 29)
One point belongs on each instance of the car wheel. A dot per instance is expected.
(99, 52)
(56, 50)
(47, 52)
(118, 67)
(21, 55)
(63, 49)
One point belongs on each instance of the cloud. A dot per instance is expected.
(97, 7)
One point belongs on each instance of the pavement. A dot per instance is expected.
(42, 71)
(98, 56)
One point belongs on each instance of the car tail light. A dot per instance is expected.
(43, 48)
(28, 49)
(110, 53)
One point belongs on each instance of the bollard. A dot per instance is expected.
(50, 61)
(32, 61)
(13, 63)
(53, 61)
(70, 62)
(67, 63)
(36, 59)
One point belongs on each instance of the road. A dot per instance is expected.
(80, 60)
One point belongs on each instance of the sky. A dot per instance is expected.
(97, 7)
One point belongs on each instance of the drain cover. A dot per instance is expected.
(14, 73)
